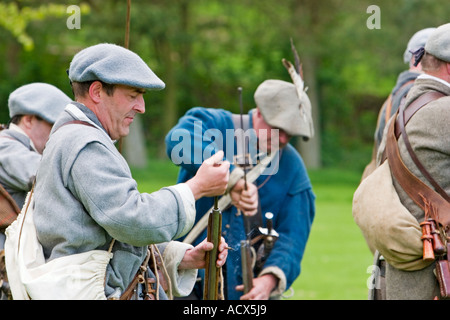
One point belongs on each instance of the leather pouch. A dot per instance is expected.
(443, 276)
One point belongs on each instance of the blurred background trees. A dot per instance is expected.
(205, 49)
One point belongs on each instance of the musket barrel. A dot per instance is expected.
(247, 270)
(241, 108)
(212, 272)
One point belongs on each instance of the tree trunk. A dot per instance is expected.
(169, 116)
(310, 150)
(307, 29)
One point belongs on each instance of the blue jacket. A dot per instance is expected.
(287, 194)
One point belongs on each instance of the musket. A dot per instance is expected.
(212, 272)
(246, 254)
(244, 157)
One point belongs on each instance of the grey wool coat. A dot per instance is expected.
(429, 134)
(18, 164)
(85, 196)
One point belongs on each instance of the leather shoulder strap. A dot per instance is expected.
(403, 117)
(415, 106)
(418, 191)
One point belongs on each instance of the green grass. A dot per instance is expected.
(336, 258)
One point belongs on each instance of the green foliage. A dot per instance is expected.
(205, 49)
(16, 16)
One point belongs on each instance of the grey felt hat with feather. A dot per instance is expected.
(279, 105)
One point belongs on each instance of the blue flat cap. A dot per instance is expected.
(438, 43)
(113, 64)
(40, 99)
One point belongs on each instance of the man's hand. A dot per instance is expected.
(245, 200)
(211, 178)
(195, 258)
(262, 287)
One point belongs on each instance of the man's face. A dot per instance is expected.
(116, 112)
(268, 137)
(39, 132)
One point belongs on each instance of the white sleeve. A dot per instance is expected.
(182, 281)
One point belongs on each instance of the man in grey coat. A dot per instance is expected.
(429, 133)
(85, 195)
(405, 81)
(33, 109)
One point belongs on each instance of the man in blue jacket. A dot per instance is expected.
(283, 188)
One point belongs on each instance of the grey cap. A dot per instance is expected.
(113, 64)
(279, 105)
(417, 41)
(438, 43)
(40, 99)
